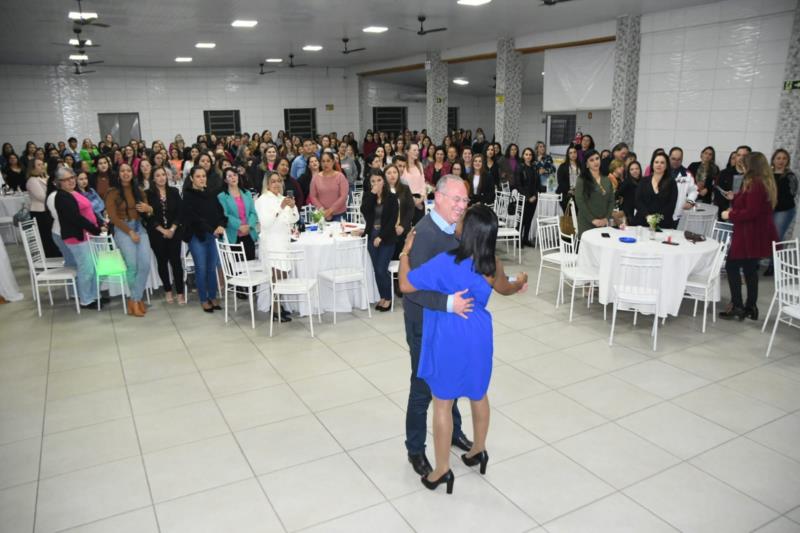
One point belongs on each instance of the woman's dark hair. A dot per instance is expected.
(329, 155)
(478, 240)
(784, 152)
(385, 189)
(591, 144)
(628, 170)
(116, 183)
(8, 149)
(522, 155)
(508, 151)
(278, 163)
(666, 169)
(586, 175)
(437, 150)
(225, 175)
(653, 157)
(713, 154)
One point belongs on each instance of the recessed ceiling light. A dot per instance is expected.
(312, 48)
(274, 60)
(76, 42)
(460, 81)
(244, 23)
(183, 59)
(473, 2)
(79, 57)
(375, 29)
(542, 73)
(205, 45)
(86, 15)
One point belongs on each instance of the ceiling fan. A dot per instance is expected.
(85, 63)
(292, 63)
(81, 43)
(553, 2)
(87, 22)
(422, 30)
(346, 51)
(262, 71)
(79, 72)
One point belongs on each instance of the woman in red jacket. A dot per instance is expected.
(437, 168)
(753, 233)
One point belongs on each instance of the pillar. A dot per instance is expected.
(436, 96)
(508, 93)
(626, 80)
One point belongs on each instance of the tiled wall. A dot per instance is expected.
(49, 103)
(712, 75)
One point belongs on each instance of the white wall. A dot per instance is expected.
(712, 75)
(49, 103)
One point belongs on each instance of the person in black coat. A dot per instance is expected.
(530, 187)
(657, 194)
(380, 208)
(567, 176)
(727, 179)
(627, 190)
(164, 233)
(483, 185)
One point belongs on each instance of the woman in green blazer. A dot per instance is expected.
(240, 209)
(594, 195)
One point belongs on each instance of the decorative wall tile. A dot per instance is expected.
(436, 97)
(509, 85)
(626, 75)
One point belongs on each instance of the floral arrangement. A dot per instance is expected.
(654, 220)
(317, 216)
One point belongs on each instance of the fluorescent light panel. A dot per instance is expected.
(183, 59)
(473, 2)
(86, 15)
(375, 29)
(79, 57)
(274, 60)
(205, 45)
(461, 81)
(76, 42)
(244, 23)
(312, 48)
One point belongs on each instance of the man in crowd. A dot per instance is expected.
(301, 161)
(687, 188)
(619, 152)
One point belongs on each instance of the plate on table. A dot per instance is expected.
(627, 240)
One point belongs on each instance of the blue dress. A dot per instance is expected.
(456, 356)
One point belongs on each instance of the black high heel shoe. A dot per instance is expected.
(751, 312)
(448, 478)
(481, 458)
(735, 312)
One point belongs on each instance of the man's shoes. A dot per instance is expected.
(420, 463)
(104, 300)
(92, 305)
(462, 442)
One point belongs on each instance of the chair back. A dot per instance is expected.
(501, 201)
(548, 236)
(357, 195)
(233, 259)
(548, 205)
(700, 220)
(786, 252)
(34, 252)
(350, 253)
(354, 215)
(573, 212)
(106, 257)
(505, 187)
(567, 248)
(639, 275)
(284, 265)
(515, 210)
(722, 231)
(719, 260)
(305, 214)
(787, 283)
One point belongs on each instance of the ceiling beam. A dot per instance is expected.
(568, 44)
(393, 70)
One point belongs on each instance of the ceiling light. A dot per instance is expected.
(183, 59)
(375, 29)
(460, 81)
(205, 45)
(473, 2)
(312, 48)
(76, 42)
(79, 57)
(244, 23)
(542, 73)
(86, 15)
(274, 60)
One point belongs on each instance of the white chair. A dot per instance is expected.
(254, 265)
(41, 261)
(289, 286)
(787, 294)
(105, 244)
(7, 224)
(782, 252)
(305, 214)
(188, 267)
(357, 196)
(394, 271)
(350, 270)
(573, 213)
(548, 237)
(638, 290)
(548, 205)
(700, 220)
(238, 275)
(45, 275)
(702, 288)
(512, 231)
(353, 215)
(572, 275)
(500, 206)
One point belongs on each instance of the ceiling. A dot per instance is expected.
(480, 75)
(154, 32)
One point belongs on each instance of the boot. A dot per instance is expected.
(141, 307)
(133, 309)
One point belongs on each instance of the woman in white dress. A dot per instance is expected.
(276, 215)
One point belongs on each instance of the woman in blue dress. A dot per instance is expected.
(456, 356)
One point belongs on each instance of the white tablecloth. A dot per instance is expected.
(8, 284)
(9, 205)
(319, 255)
(599, 254)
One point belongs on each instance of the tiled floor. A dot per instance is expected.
(180, 423)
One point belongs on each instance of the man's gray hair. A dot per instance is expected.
(64, 172)
(444, 180)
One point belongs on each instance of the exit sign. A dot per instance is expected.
(791, 85)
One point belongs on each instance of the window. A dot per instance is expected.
(562, 129)
(301, 121)
(222, 122)
(389, 119)
(452, 119)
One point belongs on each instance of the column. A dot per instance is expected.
(787, 129)
(436, 96)
(508, 94)
(626, 80)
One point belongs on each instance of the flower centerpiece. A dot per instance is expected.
(318, 218)
(653, 220)
(552, 183)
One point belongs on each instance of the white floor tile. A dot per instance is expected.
(474, 506)
(215, 355)
(728, 408)
(365, 422)
(556, 369)
(370, 350)
(91, 494)
(660, 379)
(165, 393)
(86, 409)
(335, 485)
(552, 416)
(545, 484)
(140, 521)
(691, 500)
(333, 390)
(609, 358)
(150, 367)
(385, 464)
(17, 506)
(240, 507)
(388, 376)
(288, 443)
(82, 380)
(510, 385)
(767, 386)
(194, 467)
(710, 364)
(301, 363)
(780, 435)
(613, 514)
(240, 378)
(610, 396)
(263, 406)
(781, 525)
(180, 425)
(365, 522)
(24, 366)
(616, 455)
(513, 346)
(19, 462)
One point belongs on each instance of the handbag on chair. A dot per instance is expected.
(565, 223)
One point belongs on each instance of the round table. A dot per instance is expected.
(319, 256)
(8, 283)
(9, 206)
(602, 255)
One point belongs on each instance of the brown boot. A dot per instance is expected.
(142, 307)
(133, 309)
